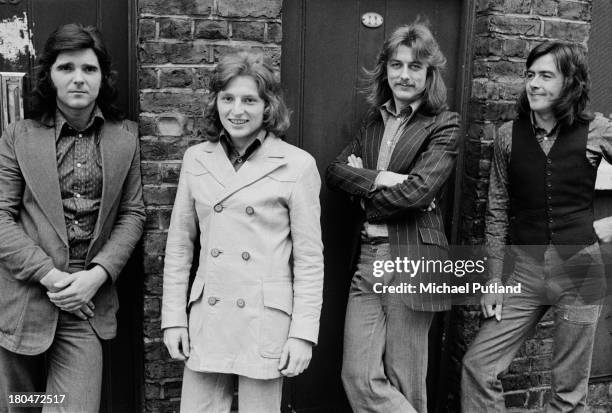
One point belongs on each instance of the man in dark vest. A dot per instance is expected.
(541, 206)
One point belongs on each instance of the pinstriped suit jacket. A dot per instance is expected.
(426, 152)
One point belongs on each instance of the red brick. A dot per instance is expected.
(575, 11)
(152, 391)
(170, 172)
(541, 363)
(545, 7)
(147, 126)
(175, 29)
(573, 32)
(248, 31)
(150, 173)
(172, 389)
(162, 406)
(147, 78)
(177, 53)
(249, 8)
(519, 366)
(176, 78)
(275, 33)
(152, 329)
(507, 6)
(515, 399)
(523, 26)
(162, 369)
(176, 6)
(152, 219)
(154, 242)
(152, 307)
(153, 284)
(211, 29)
(163, 148)
(496, 110)
(186, 102)
(154, 195)
(146, 29)
(203, 76)
(535, 399)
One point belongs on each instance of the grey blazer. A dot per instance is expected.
(33, 237)
(426, 152)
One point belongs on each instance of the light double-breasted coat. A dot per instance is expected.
(260, 274)
(33, 237)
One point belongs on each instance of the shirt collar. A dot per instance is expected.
(388, 109)
(226, 142)
(537, 129)
(97, 118)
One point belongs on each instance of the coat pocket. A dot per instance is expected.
(433, 236)
(276, 318)
(197, 288)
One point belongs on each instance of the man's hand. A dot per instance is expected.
(430, 207)
(355, 161)
(78, 288)
(85, 311)
(491, 304)
(603, 229)
(176, 340)
(54, 276)
(295, 357)
(387, 179)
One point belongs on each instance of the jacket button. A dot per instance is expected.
(212, 300)
(240, 303)
(250, 210)
(246, 256)
(218, 208)
(215, 252)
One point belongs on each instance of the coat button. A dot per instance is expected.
(218, 208)
(250, 210)
(215, 252)
(240, 303)
(246, 256)
(212, 300)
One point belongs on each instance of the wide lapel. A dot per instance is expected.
(267, 159)
(371, 144)
(409, 144)
(212, 156)
(39, 168)
(116, 150)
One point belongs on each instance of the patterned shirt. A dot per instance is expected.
(599, 143)
(394, 123)
(79, 167)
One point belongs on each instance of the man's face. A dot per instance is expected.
(406, 77)
(76, 76)
(543, 84)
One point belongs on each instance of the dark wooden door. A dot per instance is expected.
(325, 45)
(24, 27)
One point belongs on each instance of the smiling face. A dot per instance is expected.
(241, 110)
(544, 84)
(406, 76)
(77, 77)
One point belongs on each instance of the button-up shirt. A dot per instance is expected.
(394, 122)
(599, 144)
(235, 158)
(79, 167)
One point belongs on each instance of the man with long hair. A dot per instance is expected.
(396, 167)
(541, 205)
(71, 213)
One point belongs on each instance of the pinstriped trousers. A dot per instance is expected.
(384, 364)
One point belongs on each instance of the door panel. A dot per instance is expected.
(123, 355)
(325, 47)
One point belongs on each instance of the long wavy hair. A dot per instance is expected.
(419, 38)
(573, 100)
(68, 38)
(257, 66)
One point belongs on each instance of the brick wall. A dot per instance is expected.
(505, 32)
(179, 43)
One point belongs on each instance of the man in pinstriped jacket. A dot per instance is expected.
(395, 167)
